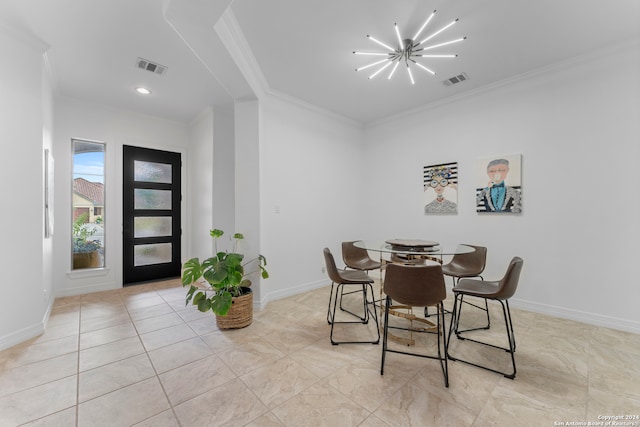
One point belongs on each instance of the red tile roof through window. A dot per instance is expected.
(93, 191)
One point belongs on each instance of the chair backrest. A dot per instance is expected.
(357, 258)
(415, 285)
(352, 255)
(472, 263)
(332, 270)
(509, 283)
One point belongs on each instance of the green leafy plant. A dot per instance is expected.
(81, 234)
(224, 275)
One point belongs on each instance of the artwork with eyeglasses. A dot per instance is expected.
(435, 182)
(441, 188)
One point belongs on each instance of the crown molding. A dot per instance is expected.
(632, 45)
(23, 36)
(230, 32)
(236, 43)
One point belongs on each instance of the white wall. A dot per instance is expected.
(47, 143)
(199, 196)
(311, 190)
(24, 300)
(247, 184)
(83, 120)
(223, 216)
(577, 128)
(211, 180)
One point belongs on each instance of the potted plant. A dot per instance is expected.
(86, 253)
(226, 289)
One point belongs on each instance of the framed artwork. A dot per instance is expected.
(440, 183)
(498, 184)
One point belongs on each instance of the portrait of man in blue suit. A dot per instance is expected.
(497, 196)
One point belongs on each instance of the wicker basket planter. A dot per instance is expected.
(240, 314)
(86, 260)
(214, 281)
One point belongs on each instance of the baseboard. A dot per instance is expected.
(28, 332)
(21, 335)
(273, 296)
(578, 316)
(81, 290)
(547, 309)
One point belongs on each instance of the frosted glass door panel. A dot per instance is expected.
(151, 172)
(151, 199)
(151, 226)
(157, 253)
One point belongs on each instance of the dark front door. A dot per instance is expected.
(151, 214)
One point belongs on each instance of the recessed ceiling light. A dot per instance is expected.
(143, 90)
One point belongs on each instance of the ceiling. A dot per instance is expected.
(302, 49)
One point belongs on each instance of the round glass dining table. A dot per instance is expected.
(409, 251)
(405, 248)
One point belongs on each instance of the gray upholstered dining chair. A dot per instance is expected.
(468, 265)
(352, 278)
(358, 258)
(500, 291)
(416, 286)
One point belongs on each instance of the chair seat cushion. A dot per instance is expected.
(458, 271)
(364, 264)
(354, 277)
(479, 288)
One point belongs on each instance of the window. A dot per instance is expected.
(88, 208)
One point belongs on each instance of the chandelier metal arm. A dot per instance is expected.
(440, 44)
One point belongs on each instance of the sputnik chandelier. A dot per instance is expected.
(408, 51)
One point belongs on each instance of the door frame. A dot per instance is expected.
(118, 195)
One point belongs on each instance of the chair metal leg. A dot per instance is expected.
(442, 355)
(453, 328)
(368, 307)
(385, 333)
(339, 287)
(512, 338)
(329, 306)
(374, 300)
(365, 317)
(361, 320)
(441, 335)
(485, 309)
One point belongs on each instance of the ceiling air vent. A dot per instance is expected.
(155, 68)
(455, 79)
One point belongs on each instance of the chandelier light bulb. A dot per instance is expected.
(441, 44)
(394, 70)
(371, 53)
(424, 25)
(408, 51)
(433, 73)
(380, 70)
(438, 32)
(371, 65)
(410, 75)
(382, 44)
(400, 43)
(439, 56)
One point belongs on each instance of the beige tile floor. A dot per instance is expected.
(138, 356)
